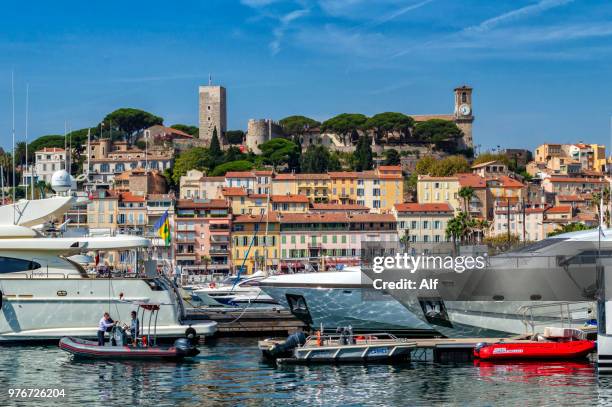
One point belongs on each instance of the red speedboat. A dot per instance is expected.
(535, 350)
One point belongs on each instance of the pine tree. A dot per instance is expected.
(364, 159)
(215, 147)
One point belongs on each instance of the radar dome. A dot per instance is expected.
(61, 181)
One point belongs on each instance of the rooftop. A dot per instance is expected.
(425, 207)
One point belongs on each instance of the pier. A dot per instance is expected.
(248, 322)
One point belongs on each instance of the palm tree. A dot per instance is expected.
(467, 193)
(205, 260)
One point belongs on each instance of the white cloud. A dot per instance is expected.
(398, 13)
(517, 14)
(284, 23)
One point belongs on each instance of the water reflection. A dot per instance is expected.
(231, 372)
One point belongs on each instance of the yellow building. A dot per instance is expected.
(439, 190)
(545, 152)
(599, 157)
(343, 187)
(251, 248)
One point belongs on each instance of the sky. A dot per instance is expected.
(540, 69)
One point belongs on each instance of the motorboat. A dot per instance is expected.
(535, 350)
(142, 347)
(235, 292)
(335, 299)
(46, 295)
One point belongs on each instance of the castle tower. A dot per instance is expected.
(464, 115)
(213, 111)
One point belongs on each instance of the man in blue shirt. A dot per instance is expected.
(105, 323)
(134, 328)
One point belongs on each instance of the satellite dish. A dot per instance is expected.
(61, 181)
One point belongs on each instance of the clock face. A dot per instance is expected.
(464, 110)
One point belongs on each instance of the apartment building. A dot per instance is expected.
(572, 185)
(202, 235)
(422, 226)
(253, 248)
(527, 223)
(332, 240)
(47, 161)
(194, 185)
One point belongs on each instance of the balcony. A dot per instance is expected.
(220, 239)
(218, 249)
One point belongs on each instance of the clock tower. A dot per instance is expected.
(463, 114)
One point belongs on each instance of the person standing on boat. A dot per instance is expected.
(134, 327)
(105, 323)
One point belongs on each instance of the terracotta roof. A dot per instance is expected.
(129, 197)
(576, 180)
(264, 173)
(284, 177)
(202, 204)
(390, 168)
(171, 130)
(256, 196)
(339, 207)
(262, 218)
(471, 180)
(312, 176)
(335, 217)
(289, 198)
(51, 150)
(390, 176)
(239, 174)
(559, 209)
(425, 207)
(234, 191)
(343, 174)
(507, 182)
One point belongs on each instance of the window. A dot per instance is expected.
(284, 240)
(436, 224)
(376, 204)
(425, 224)
(426, 238)
(413, 224)
(343, 238)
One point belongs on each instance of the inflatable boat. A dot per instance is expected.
(535, 350)
(89, 349)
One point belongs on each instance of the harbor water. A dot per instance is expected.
(231, 372)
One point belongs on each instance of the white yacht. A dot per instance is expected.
(341, 298)
(45, 295)
(231, 292)
(552, 266)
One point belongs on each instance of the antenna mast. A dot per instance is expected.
(14, 150)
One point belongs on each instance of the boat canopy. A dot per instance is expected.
(34, 212)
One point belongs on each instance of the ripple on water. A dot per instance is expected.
(231, 372)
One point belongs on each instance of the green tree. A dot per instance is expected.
(392, 157)
(129, 121)
(440, 132)
(451, 165)
(344, 124)
(279, 151)
(317, 159)
(215, 147)
(425, 165)
(487, 157)
(191, 130)
(52, 140)
(363, 157)
(570, 227)
(383, 123)
(233, 153)
(241, 165)
(466, 193)
(234, 136)
(195, 158)
(297, 125)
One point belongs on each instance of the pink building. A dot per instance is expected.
(202, 235)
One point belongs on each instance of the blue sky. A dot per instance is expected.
(541, 69)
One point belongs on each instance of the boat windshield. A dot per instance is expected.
(231, 280)
(537, 246)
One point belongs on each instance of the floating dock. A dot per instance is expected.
(254, 321)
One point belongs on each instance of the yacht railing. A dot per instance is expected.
(563, 314)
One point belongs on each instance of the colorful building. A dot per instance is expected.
(202, 235)
(422, 227)
(252, 248)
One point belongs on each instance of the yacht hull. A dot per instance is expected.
(40, 309)
(333, 308)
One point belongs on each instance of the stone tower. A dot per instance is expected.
(213, 112)
(464, 116)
